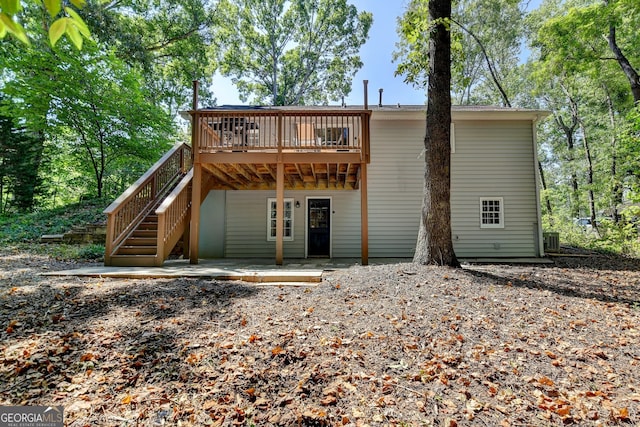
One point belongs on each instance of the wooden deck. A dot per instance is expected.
(319, 148)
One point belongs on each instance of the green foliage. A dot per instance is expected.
(622, 238)
(23, 230)
(62, 251)
(20, 158)
(415, 29)
(90, 252)
(166, 40)
(485, 40)
(28, 227)
(91, 107)
(291, 52)
(64, 21)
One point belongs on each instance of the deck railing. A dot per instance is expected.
(272, 129)
(136, 202)
(173, 217)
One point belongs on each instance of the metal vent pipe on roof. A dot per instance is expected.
(366, 94)
(380, 101)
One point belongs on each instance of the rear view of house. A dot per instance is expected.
(298, 182)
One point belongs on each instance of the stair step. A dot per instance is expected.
(133, 260)
(137, 250)
(147, 226)
(151, 218)
(141, 241)
(145, 233)
(47, 238)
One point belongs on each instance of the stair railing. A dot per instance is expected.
(174, 215)
(136, 202)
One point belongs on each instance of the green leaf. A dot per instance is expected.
(3, 30)
(10, 7)
(79, 3)
(21, 34)
(7, 21)
(74, 34)
(57, 29)
(79, 23)
(14, 28)
(53, 7)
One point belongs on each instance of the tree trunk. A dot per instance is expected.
(616, 187)
(434, 245)
(543, 182)
(627, 68)
(587, 153)
(574, 207)
(494, 76)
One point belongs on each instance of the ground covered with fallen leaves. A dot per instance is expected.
(394, 344)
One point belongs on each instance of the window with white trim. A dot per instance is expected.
(288, 219)
(491, 212)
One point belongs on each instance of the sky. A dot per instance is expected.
(376, 54)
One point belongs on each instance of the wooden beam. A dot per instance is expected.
(364, 215)
(270, 169)
(242, 171)
(256, 157)
(346, 175)
(223, 177)
(300, 174)
(194, 232)
(279, 214)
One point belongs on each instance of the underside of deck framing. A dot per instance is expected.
(297, 176)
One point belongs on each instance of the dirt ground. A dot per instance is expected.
(395, 344)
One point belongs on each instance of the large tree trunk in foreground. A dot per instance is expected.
(434, 245)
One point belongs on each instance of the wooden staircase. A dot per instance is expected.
(141, 247)
(147, 221)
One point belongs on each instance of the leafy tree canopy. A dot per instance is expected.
(291, 52)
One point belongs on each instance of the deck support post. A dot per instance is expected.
(279, 213)
(196, 197)
(196, 186)
(364, 215)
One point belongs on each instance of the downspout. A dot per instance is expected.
(540, 243)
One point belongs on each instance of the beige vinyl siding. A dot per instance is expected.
(246, 224)
(492, 159)
(395, 186)
(495, 160)
(212, 225)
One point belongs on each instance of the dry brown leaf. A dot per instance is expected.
(546, 381)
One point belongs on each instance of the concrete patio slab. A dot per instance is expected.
(249, 270)
(308, 270)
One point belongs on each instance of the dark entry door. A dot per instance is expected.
(319, 223)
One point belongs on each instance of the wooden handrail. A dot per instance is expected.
(274, 129)
(173, 217)
(136, 202)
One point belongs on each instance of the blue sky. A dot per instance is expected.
(376, 55)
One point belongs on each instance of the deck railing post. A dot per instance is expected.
(280, 132)
(195, 136)
(108, 246)
(160, 239)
